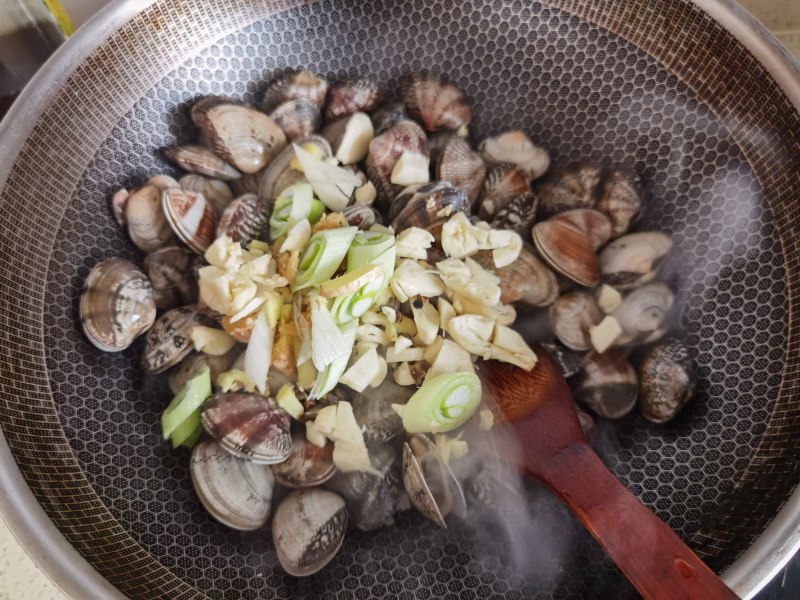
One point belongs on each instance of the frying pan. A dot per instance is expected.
(694, 95)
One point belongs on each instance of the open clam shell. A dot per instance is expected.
(574, 186)
(216, 191)
(307, 466)
(279, 175)
(633, 259)
(666, 381)
(308, 530)
(436, 104)
(236, 492)
(191, 217)
(297, 118)
(428, 206)
(567, 250)
(355, 95)
(461, 166)
(250, 426)
(243, 220)
(384, 152)
(148, 227)
(298, 85)
(202, 161)
(571, 316)
(607, 384)
(117, 305)
(169, 340)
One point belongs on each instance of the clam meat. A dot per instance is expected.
(297, 118)
(607, 384)
(308, 530)
(436, 104)
(299, 85)
(575, 186)
(169, 270)
(666, 380)
(571, 317)
(633, 259)
(202, 161)
(117, 305)
(461, 166)
(307, 466)
(216, 191)
(169, 340)
(191, 217)
(516, 148)
(568, 250)
(144, 217)
(236, 492)
(348, 97)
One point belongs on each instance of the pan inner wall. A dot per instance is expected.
(578, 91)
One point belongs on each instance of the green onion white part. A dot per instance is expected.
(181, 419)
(323, 255)
(442, 404)
(295, 203)
(333, 185)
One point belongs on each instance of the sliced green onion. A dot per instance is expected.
(352, 306)
(351, 281)
(442, 404)
(366, 246)
(295, 203)
(328, 377)
(328, 341)
(323, 255)
(333, 185)
(258, 356)
(186, 433)
(186, 405)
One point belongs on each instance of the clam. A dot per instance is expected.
(374, 414)
(236, 492)
(249, 426)
(621, 199)
(299, 85)
(526, 280)
(571, 316)
(569, 361)
(633, 259)
(436, 104)
(642, 313)
(163, 182)
(666, 380)
(147, 225)
(243, 219)
(567, 250)
(118, 201)
(458, 164)
(502, 185)
(202, 161)
(117, 305)
(592, 223)
(307, 466)
(490, 484)
(308, 530)
(297, 118)
(516, 148)
(607, 384)
(437, 143)
(388, 116)
(245, 137)
(191, 218)
(279, 175)
(248, 184)
(372, 497)
(427, 206)
(190, 366)
(384, 152)
(575, 186)
(169, 270)
(216, 191)
(169, 340)
(348, 97)
(350, 137)
(429, 482)
(518, 215)
(361, 216)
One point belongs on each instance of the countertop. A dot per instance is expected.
(20, 579)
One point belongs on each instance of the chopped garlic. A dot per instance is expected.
(450, 448)
(297, 236)
(371, 333)
(426, 318)
(410, 169)
(383, 370)
(451, 358)
(349, 450)
(608, 299)
(362, 371)
(314, 436)
(406, 326)
(390, 313)
(433, 349)
(363, 347)
(508, 346)
(225, 254)
(325, 421)
(500, 313)
(235, 380)
(402, 343)
(605, 333)
(506, 247)
(407, 355)
(413, 243)
(473, 333)
(366, 194)
(372, 317)
(460, 238)
(287, 399)
(402, 375)
(411, 279)
(485, 420)
(446, 312)
(354, 142)
(211, 341)
(468, 278)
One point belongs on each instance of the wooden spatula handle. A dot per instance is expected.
(653, 558)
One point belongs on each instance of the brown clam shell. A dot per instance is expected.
(307, 466)
(620, 198)
(243, 220)
(607, 384)
(249, 426)
(169, 339)
(634, 259)
(428, 206)
(571, 316)
(436, 104)
(191, 217)
(387, 117)
(528, 279)
(518, 215)
(297, 118)
(567, 250)
(169, 270)
(461, 166)
(666, 381)
(575, 186)
(148, 226)
(595, 225)
(216, 191)
(190, 366)
(279, 175)
(298, 85)
(348, 97)
(502, 185)
(384, 152)
(202, 161)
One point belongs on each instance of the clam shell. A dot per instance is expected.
(245, 137)
(515, 147)
(518, 215)
(117, 305)
(118, 201)
(372, 498)
(567, 250)
(666, 381)
(299, 85)
(169, 340)
(163, 182)
(620, 198)
(575, 186)
(461, 166)
(361, 216)
(191, 218)
(387, 117)
(436, 104)
(147, 225)
(248, 184)
(279, 175)
(250, 426)
(569, 361)
(633, 259)
(607, 384)
(374, 414)
(202, 161)
(190, 366)
(216, 191)
(384, 152)
(170, 273)
(571, 316)
(348, 97)
(297, 118)
(502, 185)
(236, 492)
(350, 137)
(243, 220)
(428, 206)
(307, 466)
(592, 223)
(642, 313)
(527, 279)
(308, 530)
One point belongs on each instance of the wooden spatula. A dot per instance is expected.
(538, 406)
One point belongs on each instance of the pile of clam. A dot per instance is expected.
(581, 267)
